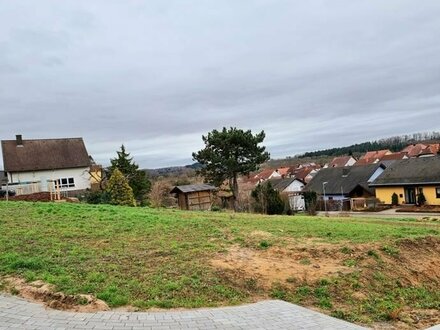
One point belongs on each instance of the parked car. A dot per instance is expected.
(3, 193)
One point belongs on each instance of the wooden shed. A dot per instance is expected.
(194, 196)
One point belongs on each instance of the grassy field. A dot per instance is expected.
(163, 258)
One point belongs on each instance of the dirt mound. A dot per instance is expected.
(361, 275)
(280, 265)
(413, 261)
(417, 262)
(36, 197)
(39, 291)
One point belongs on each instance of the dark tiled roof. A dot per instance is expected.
(192, 188)
(281, 184)
(48, 154)
(424, 170)
(342, 179)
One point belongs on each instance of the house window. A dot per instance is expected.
(437, 192)
(65, 183)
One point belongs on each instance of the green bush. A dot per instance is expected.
(216, 208)
(119, 190)
(267, 200)
(310, 199)
(96, 197)
(264, 245)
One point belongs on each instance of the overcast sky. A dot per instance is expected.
(157, 74)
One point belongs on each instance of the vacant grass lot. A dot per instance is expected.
(162, 258)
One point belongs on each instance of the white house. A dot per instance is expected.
(281, 172)
(58, 162)
(293, 188)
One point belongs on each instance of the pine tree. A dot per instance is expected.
(137, 179)
(119, 190)
(229, 153)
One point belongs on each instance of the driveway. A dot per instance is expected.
(16, 313)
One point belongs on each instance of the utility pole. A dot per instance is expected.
(7, 186)
(342, 198)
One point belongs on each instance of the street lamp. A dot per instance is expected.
(323, 190)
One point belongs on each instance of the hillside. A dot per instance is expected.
(173, 171)
(395, 143)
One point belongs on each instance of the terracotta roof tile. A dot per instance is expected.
(394, 156)
(339, 161)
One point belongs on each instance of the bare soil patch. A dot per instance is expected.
(411, 262)
(41, 292)
(279, 264)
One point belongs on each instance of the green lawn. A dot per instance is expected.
(160, 258)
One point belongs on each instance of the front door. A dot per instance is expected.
(410, 195)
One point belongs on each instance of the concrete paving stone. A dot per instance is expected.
(436, 327)
(17, 313)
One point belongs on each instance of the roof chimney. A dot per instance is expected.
(19, 140)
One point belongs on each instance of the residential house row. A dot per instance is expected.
(377, 174)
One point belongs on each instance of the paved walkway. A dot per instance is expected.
(391, 213)
(16, 313)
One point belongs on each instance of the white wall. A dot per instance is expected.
(275, 175)
(296, 201)
(334, 197)
(294, 186)
(81, 177)
(351, 162)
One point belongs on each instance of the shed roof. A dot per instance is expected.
(424, 170)
(192, 188)
(342, 179)
(44, 154)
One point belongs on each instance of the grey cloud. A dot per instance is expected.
(157, 75)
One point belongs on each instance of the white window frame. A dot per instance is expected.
(69, 183)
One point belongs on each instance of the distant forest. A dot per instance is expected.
(395, 143)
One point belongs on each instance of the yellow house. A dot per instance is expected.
(95, 176)
(408, 179)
